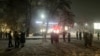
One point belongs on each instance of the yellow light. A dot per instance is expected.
(7, 30)
(50, 30)
(66, 28)
(56, 31)
(86, 24)
(2, 29)
(42, 30)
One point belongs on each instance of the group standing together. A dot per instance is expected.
(19, 39)
(55, 37)
(87, 37)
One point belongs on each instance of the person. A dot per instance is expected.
(52, 37)
(98, 35)
(64, 34)
(69, 36)
(22, 39)
(10, 40)
(16, 38)
(86, 41)
(0, 34)
(80, 35)
(56, 37)
(6, 35)
(77, 35)
(90, 39)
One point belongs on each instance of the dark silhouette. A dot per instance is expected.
(0, 34)
(90, 39)
(98, 35)
(6, 35)
(80, 35)
(16, 38)
(69, 37)
(86, 39)
(10, 40)
(52, 37)
(77, 36)
(22, 39)
(56, 36)
(64, 35)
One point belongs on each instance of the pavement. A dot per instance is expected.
(38, 47)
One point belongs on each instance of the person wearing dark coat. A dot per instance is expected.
(22, 39)
(80, 35)
(77, 35)
(52, 37)
(6, 35)
(16, 38)
(0, 34)
(10, 40)
(56, 37)
(86, 39)
(98, 35)
(64, 34)
(90, 39)
(69, 37)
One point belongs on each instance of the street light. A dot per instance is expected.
(42, 16)
(75, 24)
(86, 24)
(66, 28)
(43, 30)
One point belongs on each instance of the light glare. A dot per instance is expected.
(42, 16)
(66, 28)
(96, 25)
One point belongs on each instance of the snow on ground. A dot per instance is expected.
(40, 48)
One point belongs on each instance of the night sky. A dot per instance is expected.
(89, 9)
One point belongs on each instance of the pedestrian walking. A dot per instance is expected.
(10, 40)
(16, 38)
(22, 39)
(69, 37)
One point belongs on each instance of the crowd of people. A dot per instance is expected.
(19, 39)
(55, 37)
(87, 37)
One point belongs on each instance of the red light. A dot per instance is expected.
(56, 28)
